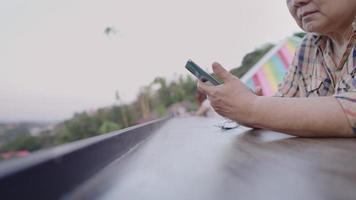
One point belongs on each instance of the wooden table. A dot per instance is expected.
(191, 158)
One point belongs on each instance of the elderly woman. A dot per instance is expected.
(322, 76)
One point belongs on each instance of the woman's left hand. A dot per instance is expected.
(232, 99)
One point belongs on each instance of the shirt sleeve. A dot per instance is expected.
(348, 104)
(347, 98)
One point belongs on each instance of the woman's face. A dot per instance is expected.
(323, 16)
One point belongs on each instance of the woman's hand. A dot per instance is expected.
(232, 99)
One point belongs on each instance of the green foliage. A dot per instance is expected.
(104, 120)
(160, 110)
(251, 59)
(23, 142)
(189, 88)
(164, 94)
(21, 129)
(300, 34)
(183, 89)
(81, 126)
(108, 126)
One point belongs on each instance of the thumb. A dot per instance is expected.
(221, 72)
(205, 89)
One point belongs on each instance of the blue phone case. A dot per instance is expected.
(200, 73)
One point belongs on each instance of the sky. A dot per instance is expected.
(55, 59)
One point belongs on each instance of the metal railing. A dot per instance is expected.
(54, 173)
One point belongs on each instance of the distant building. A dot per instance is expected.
(14, 154)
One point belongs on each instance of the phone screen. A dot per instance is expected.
(200, 73)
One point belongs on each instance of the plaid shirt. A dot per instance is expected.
(314, 73)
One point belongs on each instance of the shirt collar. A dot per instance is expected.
(320, 40)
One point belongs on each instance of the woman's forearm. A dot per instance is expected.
(306, 117)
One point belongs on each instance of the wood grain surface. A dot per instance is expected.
(191, 158)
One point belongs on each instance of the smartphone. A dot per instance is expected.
(200, 73)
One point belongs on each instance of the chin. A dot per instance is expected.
(316, 24)
(313, 28)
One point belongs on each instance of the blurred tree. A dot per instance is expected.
(108, 126)
(80, 126)
(176, 92)
(123, 109)
(163, 91)
(23, 142)
(251, 59)
(300, 34)
(144, 100)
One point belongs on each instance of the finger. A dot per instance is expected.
(203, 79)
(203, 88)
(221, 72)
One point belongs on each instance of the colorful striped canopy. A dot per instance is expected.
(272, 67)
